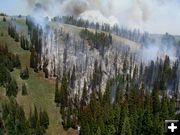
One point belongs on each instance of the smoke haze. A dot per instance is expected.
(154, 16)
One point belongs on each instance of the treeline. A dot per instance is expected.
(82, 23)
(100, 41)
(14, 122)
(134, 35)
(136, 101)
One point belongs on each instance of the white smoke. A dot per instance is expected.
(96, 17)
(154, 16)
(152, 51)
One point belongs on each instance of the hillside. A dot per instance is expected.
(74, 30)
(40, 90)
(93, 80)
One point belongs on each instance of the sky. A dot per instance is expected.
(154, 16)
(14, 7)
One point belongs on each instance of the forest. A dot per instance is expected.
(100, 86)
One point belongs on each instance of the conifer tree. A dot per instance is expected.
(43, 119)
(84, 97)
(1, 127)
(73, 78)
(24, 89)
(172, 108)
(57, 92)
(164, 108)
(64, 92)
(147, 118)
(126, 128)
(98, 132)
(155, 99)
(12, 88)
(32, 58)
(107, 94)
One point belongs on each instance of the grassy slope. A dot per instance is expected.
(116, 39)
(41, 91)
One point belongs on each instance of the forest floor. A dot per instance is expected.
(40, 90)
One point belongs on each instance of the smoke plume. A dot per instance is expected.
(154, 16)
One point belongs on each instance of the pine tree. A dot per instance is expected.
(32, 58)
(73, 78)
(164, 108)
(110, 130)
(43, 119)
(24, 90)
(21, 127)
(147, 118)
(116, 116)
(12, 88)
(63, 92)
(84, 98)
(167, 67)
(17, 62)
(172, 108)
(39, 130)
(24, 74)
(158, 125)
(2, 129)
(16, 37)
(98, 132)
(107, 94)
(126, 128)
(155, 99)
(4, 18)
(57, 92)
(33, 118)
(10, 125)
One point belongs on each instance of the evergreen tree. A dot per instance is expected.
(164, 108)
(158, 126)
(172, 108)
(24, 74)
(2, 127)
(126, 128)
(73, 78)
(33, 119)
(4, 18)
(84, 98)
(24, 89)
(57, 92)
(12, 88)
(147, 128)
(98, 132)
(155, 99)
(21, 127)
(16, 37)
(107, 94)
(63, 92)
(10, 125)
(39, 130)
(43, 119)
(32, 56)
